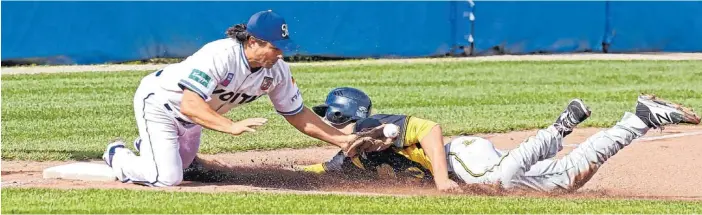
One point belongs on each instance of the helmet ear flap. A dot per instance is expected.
(337, 116)
(320, 110)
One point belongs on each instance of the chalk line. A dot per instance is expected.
(645, 139)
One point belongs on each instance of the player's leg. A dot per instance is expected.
(578, 166)
(548, 142)
(339, 164)
(197, 168)
(485, 164)
(335, 164)
(575, 169)
(545, 144)
(159, 163)
(190, 144)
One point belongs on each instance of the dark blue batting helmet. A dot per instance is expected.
(343, 105)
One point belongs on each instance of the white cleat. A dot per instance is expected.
(137, 144)
(110, 150)
(657, 113)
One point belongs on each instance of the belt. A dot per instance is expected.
(181, 120)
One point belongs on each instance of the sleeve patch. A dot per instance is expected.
(200, 77)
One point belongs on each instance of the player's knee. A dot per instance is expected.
(173, 179)
(169, 182)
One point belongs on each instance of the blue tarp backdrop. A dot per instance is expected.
(527, 27)
(98, 32)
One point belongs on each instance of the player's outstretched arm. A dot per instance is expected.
(433, 146)
(195, 108)
(311, 125)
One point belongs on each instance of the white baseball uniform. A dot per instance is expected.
(475, 160)
(221, 75)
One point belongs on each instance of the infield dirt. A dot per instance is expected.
(654, 169)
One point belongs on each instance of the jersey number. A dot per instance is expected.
(233, 97)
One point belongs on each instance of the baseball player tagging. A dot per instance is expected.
(172, 105)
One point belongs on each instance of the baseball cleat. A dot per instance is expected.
(110, 150)
(137, 144)
(657, 113)
(575, 113)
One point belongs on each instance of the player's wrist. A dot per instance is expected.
(441, 178)
(346, 141)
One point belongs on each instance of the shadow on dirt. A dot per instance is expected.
(288, 179)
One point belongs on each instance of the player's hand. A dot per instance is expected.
(448, 186)
(367, 141)
(247, 125)
(363, 144)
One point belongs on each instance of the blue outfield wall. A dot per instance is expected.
(655, 26)
(529, 27)
(99, 32)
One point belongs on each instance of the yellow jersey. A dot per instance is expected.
(406, 158)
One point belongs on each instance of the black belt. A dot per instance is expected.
(181, 120)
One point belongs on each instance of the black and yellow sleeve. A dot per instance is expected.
(416, 130)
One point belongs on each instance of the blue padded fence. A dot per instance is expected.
(99, 32)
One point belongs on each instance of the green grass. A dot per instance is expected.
(73, 115)
(21, 200)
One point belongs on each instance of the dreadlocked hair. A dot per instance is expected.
(238, 32)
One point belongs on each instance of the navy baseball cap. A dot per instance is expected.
(271, 27)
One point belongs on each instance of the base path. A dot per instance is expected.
(663, 165)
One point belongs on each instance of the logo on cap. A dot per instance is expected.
(270, 27)
(284, 27)
(362, 112)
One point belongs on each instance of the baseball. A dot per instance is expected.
(391, 130)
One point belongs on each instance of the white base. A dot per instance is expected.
(81, 171)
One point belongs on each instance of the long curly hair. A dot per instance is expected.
(238, 32)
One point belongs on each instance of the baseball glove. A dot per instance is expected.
(368, 140)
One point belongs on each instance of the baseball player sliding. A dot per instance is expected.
(173, 104)
(419, 151)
